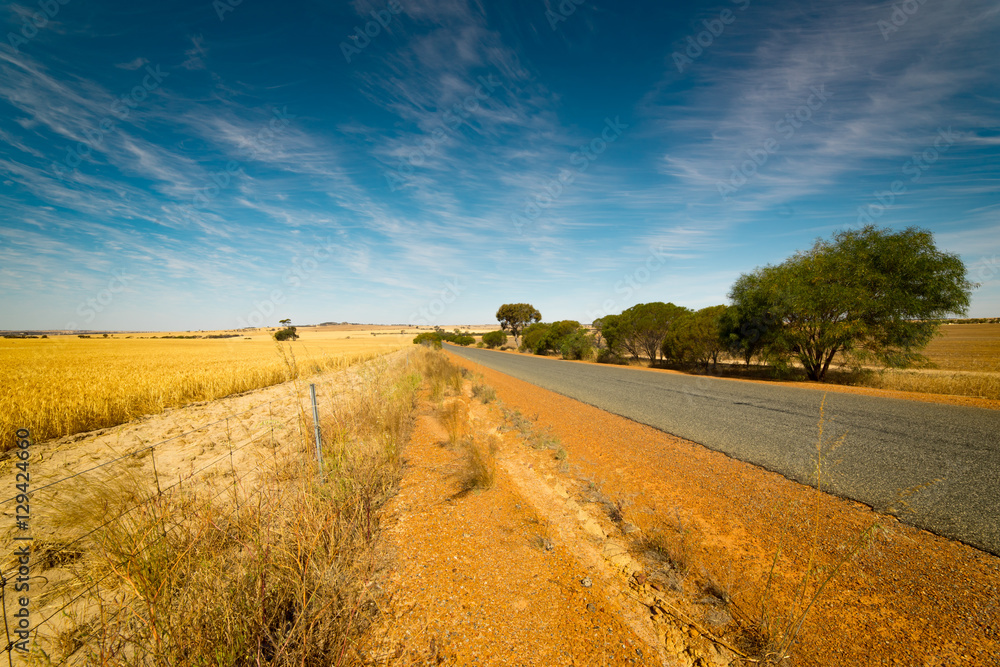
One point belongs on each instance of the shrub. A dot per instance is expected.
(288, 333)
(429, 338)
(463, 339)
(606, 356)
(495, 339)
(577, 345)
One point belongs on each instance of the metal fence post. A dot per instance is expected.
(319, 445)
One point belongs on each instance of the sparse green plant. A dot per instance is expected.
(561, 454)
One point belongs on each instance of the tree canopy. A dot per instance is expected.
(514, 317)
(639, 330)
(494, 339)
(871, 295)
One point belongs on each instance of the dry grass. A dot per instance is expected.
(978, 385)
(775, 625)
(454, 414)
(484, 392)
(278, 573)
(966, 347)
(65, 385)
(480, 462)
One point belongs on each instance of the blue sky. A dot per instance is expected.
(200, 165)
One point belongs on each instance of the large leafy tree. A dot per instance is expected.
(696, 337)
(513, 317)
(642, 328)
(543, 337)
(871, 295)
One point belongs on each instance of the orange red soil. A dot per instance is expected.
(907, 597)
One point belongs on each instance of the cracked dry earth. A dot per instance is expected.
(553, 565)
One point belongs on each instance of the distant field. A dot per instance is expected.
(967, 347)
(966, 360)
(64, 384)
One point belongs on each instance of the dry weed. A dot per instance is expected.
(272, 574)
(480, 461)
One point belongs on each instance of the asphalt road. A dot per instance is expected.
(942, 460)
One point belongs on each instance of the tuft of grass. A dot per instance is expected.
(484, 392)
(454, 414)
(440, 373)
(480, 462)
(673, 545)
(775, 627)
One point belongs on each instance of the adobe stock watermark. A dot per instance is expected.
(429, 312)
(565, 9)
(987, 269)
(451, 120)
(300, 270)
(363, 35)
(696, 44)
(120, 108)
(901, 13)
(90, 308)
(786, 128)
(31, 24)
(914, 168)
(580, 161)
(223, 7)
(220, 180)
(631, 283)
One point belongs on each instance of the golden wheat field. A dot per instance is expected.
(965, 359)
(64, 384)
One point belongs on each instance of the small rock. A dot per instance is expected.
(640, 578)
(591, 607)
(587, 583)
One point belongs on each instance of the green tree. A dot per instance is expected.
(696, 337)
(429, 338)
(871, 295)
(744, 329)
(495, 339)
(535, 337)
(514, 317)
(642, 328)
(542, 337)
(576, 345)
(288, 333)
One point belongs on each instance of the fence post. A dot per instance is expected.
(319, 444)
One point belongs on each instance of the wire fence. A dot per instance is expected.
(16, 638)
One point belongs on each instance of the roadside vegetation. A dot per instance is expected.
(860, 308)
(438, 335)
(275, 567)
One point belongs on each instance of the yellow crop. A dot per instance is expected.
(64, 385)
